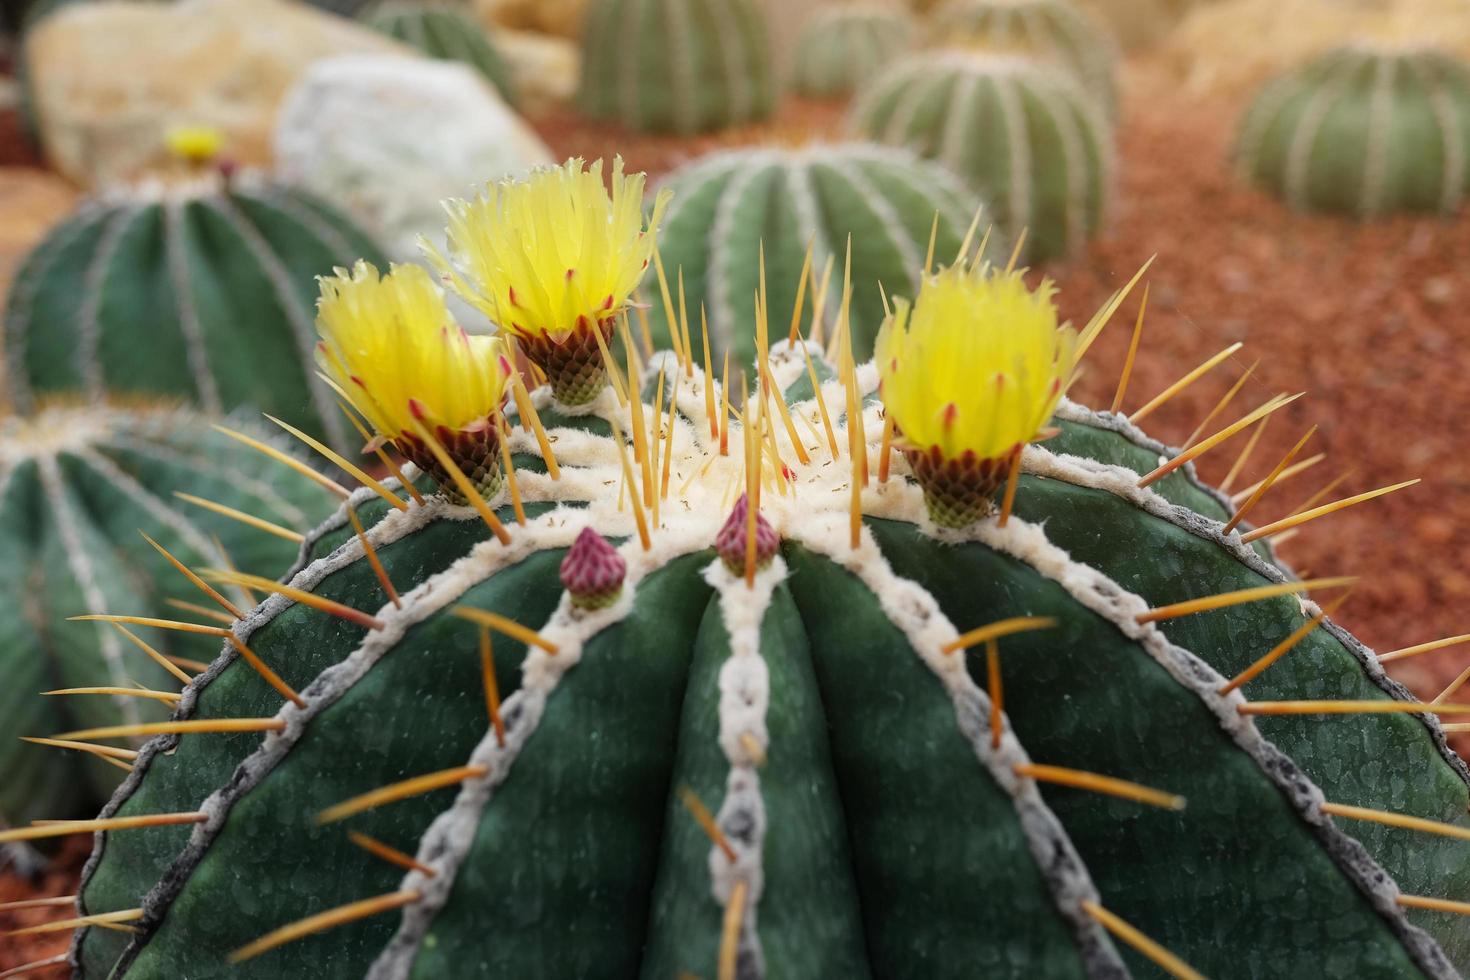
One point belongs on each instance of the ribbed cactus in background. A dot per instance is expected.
(1051, 30)
(77, 484)
(682, 66)
(1024, 135)
(444, 32)
(764, 716)
(843, 46)
(1363, 131)
(729, 205)
(201, 291)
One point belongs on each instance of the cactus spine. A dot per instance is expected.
(1051, 30)
(502, 722)
(1023, 135)
(1364, 132)
(841, 47)
(447, 33)
(77, 484)
(202, 292)
(682, 66)
(729, 204)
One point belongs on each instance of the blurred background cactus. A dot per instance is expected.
(682, 66)
(201, 291)
(1363, 131)
(1023, 134)
(729, 205)
(843, 45)
(80, 484)
(1047, 30)
(441, 30)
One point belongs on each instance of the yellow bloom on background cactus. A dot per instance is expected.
(976, 364)
(392, 348)
(553, 252)
(195, 144)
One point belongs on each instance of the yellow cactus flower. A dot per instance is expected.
(393, 350)
(551, 257)
(196, 145)
(970, 372)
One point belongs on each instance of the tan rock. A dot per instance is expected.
(562, 18)
(112, 78)
(545, 68)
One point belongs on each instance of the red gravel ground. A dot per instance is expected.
(1367, 318)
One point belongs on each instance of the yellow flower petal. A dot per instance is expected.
(976, 364)
(553, 252)
(390, 345)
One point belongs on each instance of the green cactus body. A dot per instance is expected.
(842, 47)
(1053, 30)
(683, 66)
(1024, 135)
(868, 824)
(1363, 131)
(447, 33)
(195, 293)
(730, 204)
(76, 486)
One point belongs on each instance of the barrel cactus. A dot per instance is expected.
(1051, 30)
(447, 33)
(1363, 131)
(77, 485)
(200, 290)
(1023, 134)
(682, 66)
(731, 204)
(842, 46)
(815, 705)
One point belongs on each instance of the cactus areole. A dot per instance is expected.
(699, 686)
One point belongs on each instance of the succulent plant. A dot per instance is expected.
(1057, 31)
(77, 485)
(681, 66)
(818, 704)
(1023, 134)
(447, 33)
(842, 46)
(200, 290)
(1363, 131)
(733, 206)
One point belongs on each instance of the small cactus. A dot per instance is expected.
(1017, 746)
(842, 46)
(1051, 30)
(731, 204)
(683, 66)
(77, 485)
(1363, 131)
(1022, 134)
(444, 32)
(201, 290)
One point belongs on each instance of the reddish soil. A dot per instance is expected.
(1367, 318)
(59, 880)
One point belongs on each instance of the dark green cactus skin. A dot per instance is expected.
(70, 513)
(446, 33)
(881, 834)
(729, 205)
(1023, 134)
(1363, 132)
(681, 66)
(204, 297)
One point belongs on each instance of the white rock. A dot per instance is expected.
(388, 138)
(111, 79)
